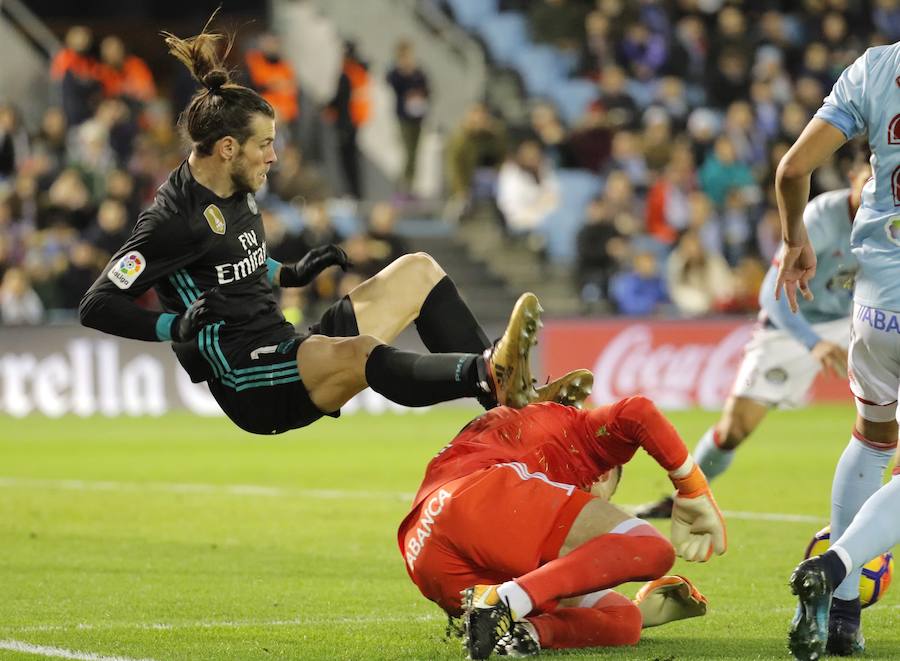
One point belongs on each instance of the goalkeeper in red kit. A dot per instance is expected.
(506, 518)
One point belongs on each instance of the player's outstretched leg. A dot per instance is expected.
(808, 634)
(509, 359)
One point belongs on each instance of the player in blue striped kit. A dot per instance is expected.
(787, 350)
(865, 99)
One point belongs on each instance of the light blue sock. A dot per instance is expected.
(712, 459)
(875, 528)
(859, 474)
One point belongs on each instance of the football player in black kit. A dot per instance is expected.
(201, 245)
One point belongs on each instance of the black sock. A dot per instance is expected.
(414, 379)
(846, 609)
(835, 570)
(446, 323)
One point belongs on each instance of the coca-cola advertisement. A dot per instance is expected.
(679, 364)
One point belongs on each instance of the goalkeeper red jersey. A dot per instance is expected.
(565, 444)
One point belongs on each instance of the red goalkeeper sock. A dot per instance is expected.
(641, 554)
(613, 620)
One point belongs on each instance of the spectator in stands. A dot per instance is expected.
(721, 172)
(293, 178)
(82, 269)
(668, 210)
(642, 52)
(768, 235)
(475, 152)
(19, 304)
(621, 109)
(557, 22)
(385, 243)
(600, 250)
(49, 144)
(413, 99)
(68, 203)
(730, 77)
(886, 15)
(124, 75)
(77, 75)
(15, 147)
(120, 186)
(108, 233)
(527, 189)
(656, 139)
(697, 280)
(639, 290)
(672, 97)
(350, 108)
(547, 129)
(628, 159)
(271, 75)
(688, 50)
(378, 246)
(598, 50)
(589, 144)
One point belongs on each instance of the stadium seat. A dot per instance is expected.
(470, 13)
(540, 67)
(559, 228)
(572, 98)
(503, 35)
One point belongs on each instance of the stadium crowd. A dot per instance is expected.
(696, 102)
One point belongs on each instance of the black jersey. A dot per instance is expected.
(188, 241)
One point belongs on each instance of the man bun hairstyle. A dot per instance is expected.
(220, 107)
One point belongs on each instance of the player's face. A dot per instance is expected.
(250, 167)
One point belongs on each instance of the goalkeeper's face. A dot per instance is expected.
(250, 167)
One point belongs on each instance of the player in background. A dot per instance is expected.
(505, 515)
(201, 245)
(787, 350)
(864, 521)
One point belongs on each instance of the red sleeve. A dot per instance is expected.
(621, 428)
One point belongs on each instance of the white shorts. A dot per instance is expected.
(874, 358)
(779, 370)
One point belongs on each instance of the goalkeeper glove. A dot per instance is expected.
(313, 263)
(668, 599)
(209, 307)
(698, 528)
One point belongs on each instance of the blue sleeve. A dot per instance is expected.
(164, 326)
(842, 108)
(780, 313)
(272, 265)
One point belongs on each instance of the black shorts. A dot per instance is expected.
(266, 395)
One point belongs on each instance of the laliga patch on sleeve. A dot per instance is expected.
(126, 270)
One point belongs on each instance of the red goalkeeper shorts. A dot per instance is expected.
(489, 527)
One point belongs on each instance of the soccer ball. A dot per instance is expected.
(876, 574)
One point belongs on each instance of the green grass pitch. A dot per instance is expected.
(184, 538)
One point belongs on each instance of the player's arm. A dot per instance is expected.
(814, 147)
(301, 273)
(159, 246)
(841, 117)
(698, 527)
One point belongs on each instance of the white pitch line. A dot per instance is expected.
(219, 624)
(318, 494)
(59, 652)
(195, 488)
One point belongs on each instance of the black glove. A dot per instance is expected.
(313, 263)
(209, 307)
